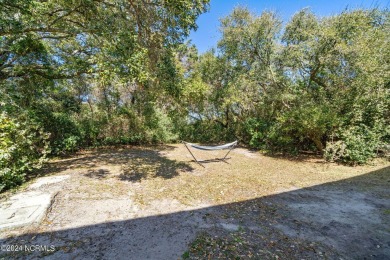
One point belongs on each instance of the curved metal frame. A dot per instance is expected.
(210, 148)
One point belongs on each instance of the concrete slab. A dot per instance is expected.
(23, 209)
(29, 207)
(48, 180)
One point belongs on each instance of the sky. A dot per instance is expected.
(207, 34)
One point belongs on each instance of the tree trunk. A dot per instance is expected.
(319, 145)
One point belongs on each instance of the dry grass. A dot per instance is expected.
(139, 183)
(248, 175)
(168, 172)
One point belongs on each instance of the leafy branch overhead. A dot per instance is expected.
(73, 66)
(86, 73)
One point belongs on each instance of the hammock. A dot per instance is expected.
(212, 148)
(229, 146)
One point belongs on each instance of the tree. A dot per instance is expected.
(314, 87)
(89, 71)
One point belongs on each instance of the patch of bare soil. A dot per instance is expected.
(154, 202)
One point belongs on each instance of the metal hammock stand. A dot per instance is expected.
(229, 146)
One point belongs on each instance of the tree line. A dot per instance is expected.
(313, 84)
(87, 73)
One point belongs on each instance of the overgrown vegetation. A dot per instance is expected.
(85, 73)
(89, 72)
(317, 84)
(23, 148)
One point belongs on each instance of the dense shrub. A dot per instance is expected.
(356, 145)
(207, 132)
(257, 133)
(23, 148)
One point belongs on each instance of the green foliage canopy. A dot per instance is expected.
(318, 84)
(87, 72)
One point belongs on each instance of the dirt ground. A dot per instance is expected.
(155, 203)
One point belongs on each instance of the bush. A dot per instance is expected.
(207, 132)
(135, 139)
(160, 128)
(70, 144)
(357, 145)
(64, 133)
(256, 131)
(23, 148)
(302, 127)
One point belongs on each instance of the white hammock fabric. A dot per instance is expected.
(212, 148)
(229, 146)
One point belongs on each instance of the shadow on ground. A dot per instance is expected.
(137, 163)
(347, 219)
(149, 165)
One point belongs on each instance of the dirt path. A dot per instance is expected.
(153, 203)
